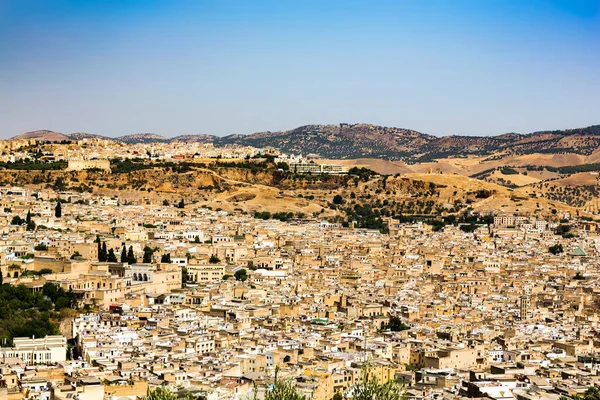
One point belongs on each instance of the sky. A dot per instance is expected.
(173, 67)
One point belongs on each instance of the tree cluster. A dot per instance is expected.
(127, 256)
(25, 313)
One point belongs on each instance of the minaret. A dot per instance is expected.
(524, 307)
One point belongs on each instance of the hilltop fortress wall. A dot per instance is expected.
(79, 165)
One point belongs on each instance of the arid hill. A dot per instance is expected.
(349, 141)
(81, 136)
(43, 135)
(367, 199)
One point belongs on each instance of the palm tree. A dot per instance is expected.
(592, 393)
(281, 390)
(369, 388)
(160, 393)
(164, 393)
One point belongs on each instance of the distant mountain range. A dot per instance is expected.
(345, 141)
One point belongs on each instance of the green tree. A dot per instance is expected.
(579, 277)
(282, 390)
(160, 393)
(59, 184)
(16, 220)
(184, 276)
(592, 393)
(165, 258)
(58, 209)
(102, 253)
(29, 222)
(31, 226)
(241, 275)
(124, 254)
(25, 313)
(148, 253)
(369, 388)
(395, 325)
(111, 256)
(214, 259)
(181, 204)
(45, 271)
(40, 247)
(62, 302)
(337, 199)
(556, 249)
(130, 256)
(562, 229)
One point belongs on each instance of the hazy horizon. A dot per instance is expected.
(288, 129)
(181, 67)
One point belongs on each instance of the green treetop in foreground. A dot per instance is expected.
(367, 388)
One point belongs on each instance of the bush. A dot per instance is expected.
(556, 249)
(395, 324)
(16, 220)
(45, 271)
(579, 277)
(241, 275)
(508, 171)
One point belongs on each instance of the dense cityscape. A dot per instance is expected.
(144, 294)
(299, 200)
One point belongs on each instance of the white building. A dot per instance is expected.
(51, 349)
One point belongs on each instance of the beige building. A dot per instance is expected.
(198, 273)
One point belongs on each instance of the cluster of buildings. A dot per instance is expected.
(103, 149)
(224, 299)
(94, 153)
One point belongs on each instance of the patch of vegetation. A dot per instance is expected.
(363, 173)
(556, 249)
(24, 313)
(394, 324)
(579, 277)
(34, 165)
(508, 171)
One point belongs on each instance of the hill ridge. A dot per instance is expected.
(359, 140)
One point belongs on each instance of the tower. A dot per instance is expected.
(524, 307)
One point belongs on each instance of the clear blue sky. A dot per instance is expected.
(469, 67)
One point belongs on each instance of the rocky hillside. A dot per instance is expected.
(339, 141)
(350, 141)
(81, 136)
(143, 138)
(363, 140)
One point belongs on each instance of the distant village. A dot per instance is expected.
(95, 153)
(214, 304)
